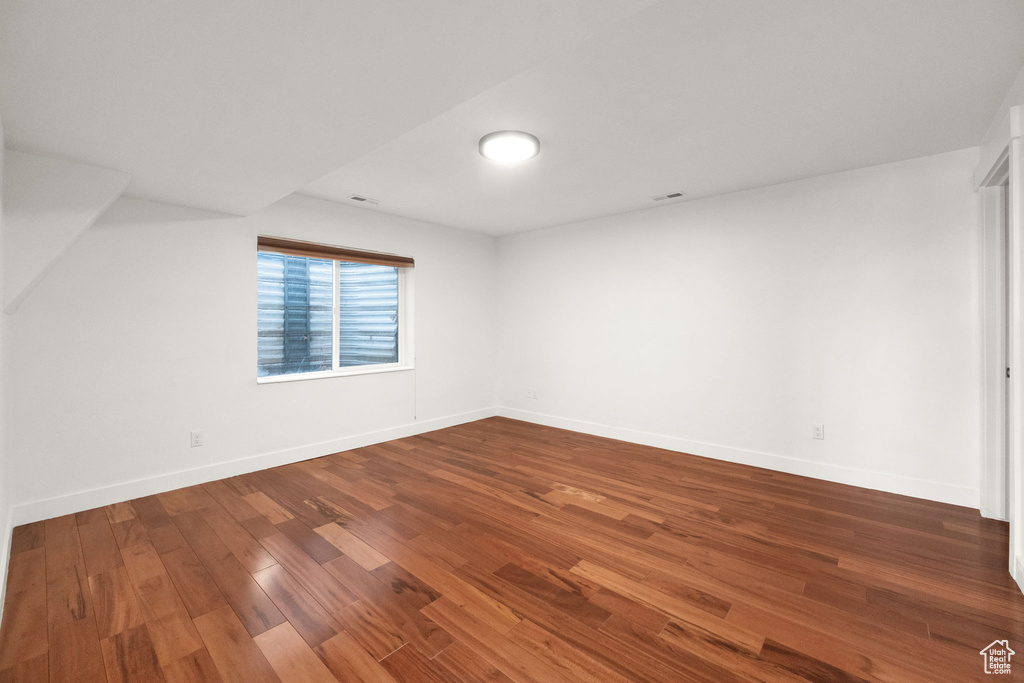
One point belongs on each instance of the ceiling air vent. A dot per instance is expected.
(670, 195)
(360, 199)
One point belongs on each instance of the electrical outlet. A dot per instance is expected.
(196, 439)
(819, 432)
(531, 394)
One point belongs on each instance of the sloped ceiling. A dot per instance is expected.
(48, 204)
(232, 105)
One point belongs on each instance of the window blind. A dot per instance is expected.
(368, 314)
(294, 315)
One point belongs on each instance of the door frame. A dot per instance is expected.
(1003, 320)
(994, 252)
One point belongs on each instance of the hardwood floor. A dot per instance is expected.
(503, 551)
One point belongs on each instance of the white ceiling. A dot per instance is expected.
(232, 105)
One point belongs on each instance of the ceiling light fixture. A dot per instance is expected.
(509, 146)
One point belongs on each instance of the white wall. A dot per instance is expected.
(727, 327)
(145, 330)
(724, 327)
(48, 204)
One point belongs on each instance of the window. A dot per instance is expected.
(324, 311)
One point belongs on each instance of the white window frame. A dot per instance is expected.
(406, 357)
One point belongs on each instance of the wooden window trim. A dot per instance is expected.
(281, 245)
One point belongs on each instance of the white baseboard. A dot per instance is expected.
(880, 481)
(1018, 572)
(997, 513)
(115, 493)
(106, 495)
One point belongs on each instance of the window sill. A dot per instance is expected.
(350, 372)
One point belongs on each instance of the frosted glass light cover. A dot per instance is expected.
(509, 146)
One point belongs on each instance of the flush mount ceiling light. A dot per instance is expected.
(509, 146)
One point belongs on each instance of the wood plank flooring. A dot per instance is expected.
(504, 551)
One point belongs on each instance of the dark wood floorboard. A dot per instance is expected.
(505, 551)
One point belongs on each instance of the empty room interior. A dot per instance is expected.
(547, 340)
